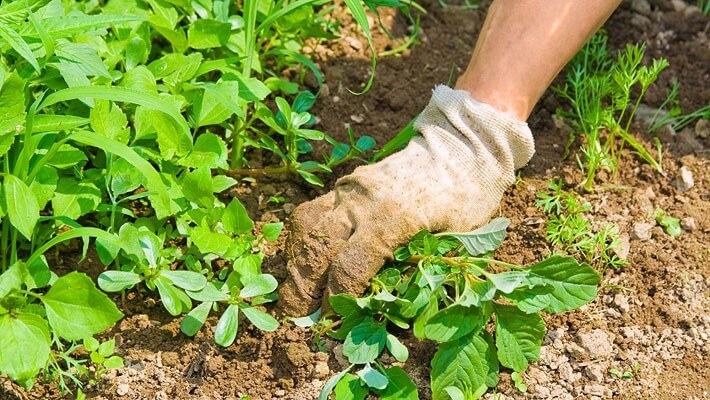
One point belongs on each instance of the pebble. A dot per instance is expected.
(641, 230)
(595, 372)
(684, 181)
(641, 6)
(321, 370)
(688, 224)
(690, 10)
(597, 343)
(279, 393)
(353, 42)
(702, 128)
(598, 390)
(574, 350)
(678, 5)
(640, 21)
(122, 389)
(289, 207)
(621, 302)
(624, 247)
(358, 119)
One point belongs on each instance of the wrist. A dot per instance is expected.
(506, 99)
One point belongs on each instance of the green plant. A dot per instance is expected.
(669, 223)
(599, 92)
(121, 121)
(570, 231)
(442, 288)
(674, 116)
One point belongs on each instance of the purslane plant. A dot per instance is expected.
(483, 315)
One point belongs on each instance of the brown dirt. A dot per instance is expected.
(651, 315)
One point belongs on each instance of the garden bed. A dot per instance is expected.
(646, 334)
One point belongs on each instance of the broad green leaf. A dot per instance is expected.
(365, 342)
(197, 187)
(331, 383)
(350, 388)
(455, 321)
(508, 281)
(518, 337)
(343, 304)
(12, 279)
(272, 230)
(84, 56)
(195, 319)
(38, 274)
(573, 284)
(484, 239)
(74, 198)
(52, 123)
(19, 45)
(397, 349)
(67, 156)
(188, 280)
(209, 151)
(459, 364)
(247, 267)
(20, 205)
(122, 94)
(260, 319)
(210, 242)
(24, 347)
(226, 330)
(71, 25)
(107, 348)
(44, 185)
(107, 119)
(365, 143)
(171, 141)
(259, 285)
(209, 293)
(235, 218)
(399, 386)
(12, 109)
(115, 281)
(125, 177)
(492, 360)
(208, 33)
(216, 102)
(220, 183)
(307, 321)
(372, 377)
(170, 296)
(76, 309)
(114, 362)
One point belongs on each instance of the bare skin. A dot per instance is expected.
(524, 44)
(467, 149)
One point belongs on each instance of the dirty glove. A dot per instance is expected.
(452, 178)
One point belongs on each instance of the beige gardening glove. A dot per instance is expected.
(452, 178)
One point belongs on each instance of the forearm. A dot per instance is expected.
(524, 44)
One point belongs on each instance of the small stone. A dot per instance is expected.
(339, 356)
(574, 350)
(641, 230)
(690, 10)
(597, 343)
(702, 128)
(640, 21)
(123, 389)
(321, 370)
(289, 207)
(279, 393)
(598, 390)
(684, 181)
(358, 119)
(688, 224)
(354, 43)
(642, 7)
(541, 392)
(678, 5)
(161, 395)
(623, 248)
(595, 372)
(336, 99)
(621, 302)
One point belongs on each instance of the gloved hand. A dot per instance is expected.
(451, 178)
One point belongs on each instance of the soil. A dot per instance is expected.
(650, 317)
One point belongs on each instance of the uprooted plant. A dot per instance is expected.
(446, 287)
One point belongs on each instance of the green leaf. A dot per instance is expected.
(195, 319)
(24, 347)
(358, 12)
(492, 360)
(226, 330)
(209, 293)
(307, 321)
(455, 321)
(259, 285)
(21, 205)
(114, 362)
(260, 319)
(459, 364)
(518, 337)
(216, 103)
(107, 348)
(372, 377)
(331, 383)
(484, 239)
(12, 279)
(71, 25)
(12, 108)
(188, 280)
(208, 33)
(115, 281)
(508, 281)
(91, 344)
(573, 285)
(400, 385)
(19, 45)
(197, 187)
(76, 309)
(170, 296)
(235, 218)
(107, 119)
(210, 242)
(209, 151)
(272, 231)
(397, 349)
(365, 342)
(350, 388)
(74, 198)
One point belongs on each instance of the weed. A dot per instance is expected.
(599, 91)
(440, 286)
(669, 223)
(570, 231)
(674, 116)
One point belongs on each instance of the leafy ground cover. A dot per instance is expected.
(645, 326)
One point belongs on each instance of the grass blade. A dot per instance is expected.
(358, 12)
(19, 45)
